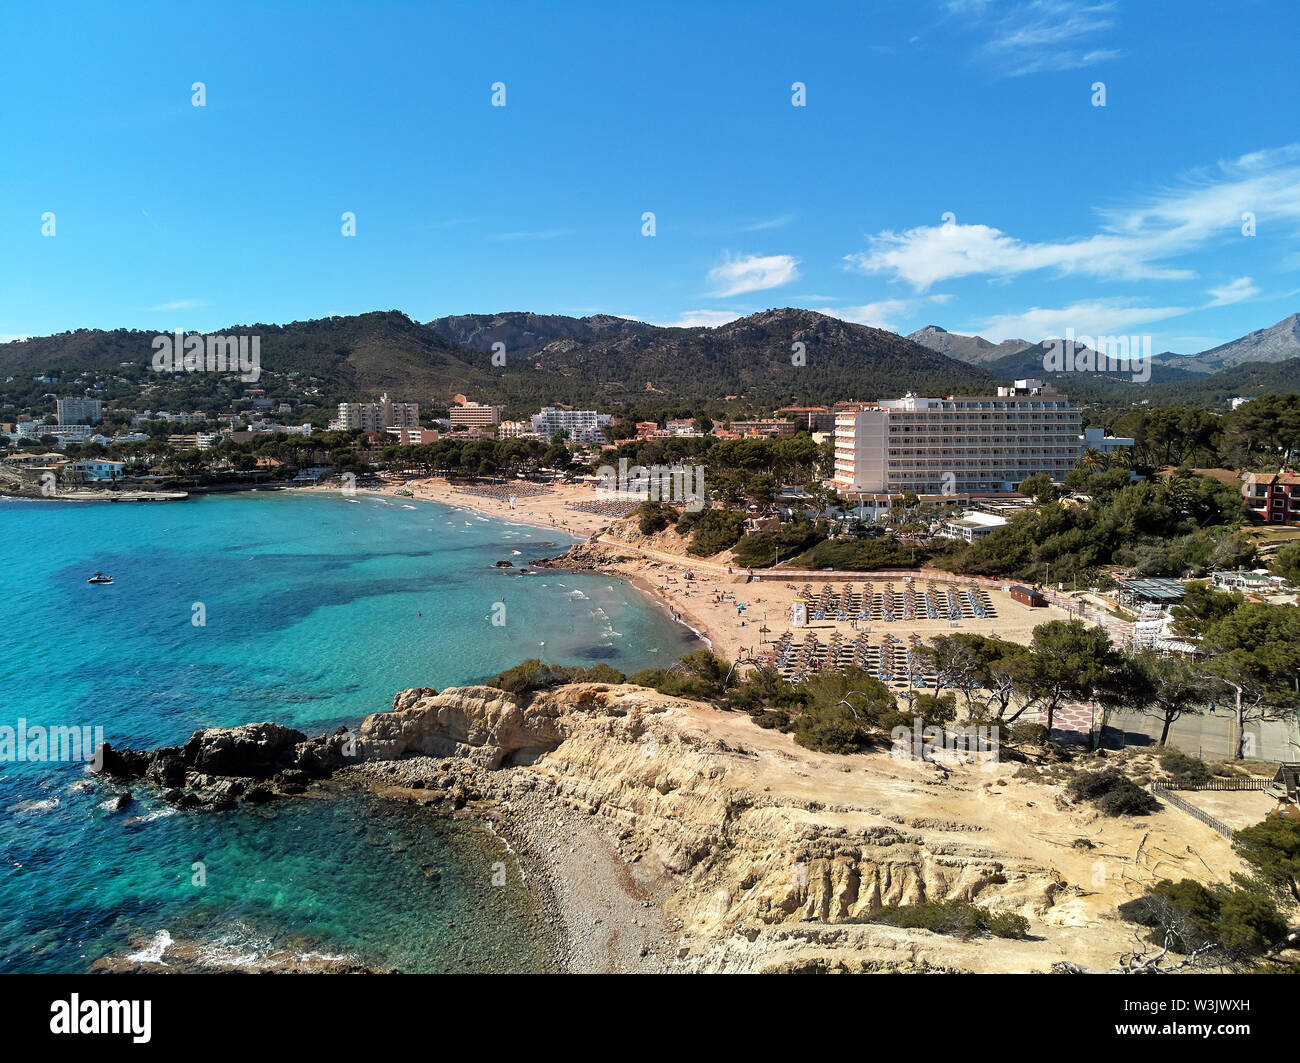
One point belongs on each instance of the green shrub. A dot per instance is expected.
(829, 729)
(1127, 799)
(532, 675)
(1242, 920)
(1008, 925)
(862, 555)
(1112, 792)
(712, 530)
(1027, 733)
(654, 517)
(699, 676)
(956, 918)
(760, 549)
(1184, 769)
(1089, 785)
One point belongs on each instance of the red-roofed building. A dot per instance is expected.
(1274, 497)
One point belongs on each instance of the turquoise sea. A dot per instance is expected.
(315, 609)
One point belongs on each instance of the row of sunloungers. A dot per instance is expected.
(892, 661)
(908, 603)
(504, 492)
(605, 507)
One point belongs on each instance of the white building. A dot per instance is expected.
(515, 430)
(95, 469)
(1096, 439)
(472, 415)
(971, 526)
(79, 411)
(957, 445)
(377, 416)
(64, 433)
(582, 426)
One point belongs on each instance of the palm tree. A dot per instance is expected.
(1093, 460)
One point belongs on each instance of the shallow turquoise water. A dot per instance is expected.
(316, 610)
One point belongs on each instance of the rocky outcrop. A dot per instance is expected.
(219, 766)
(487, 726)
(587, 556)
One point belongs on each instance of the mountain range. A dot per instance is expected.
(768, 359)
(1277, 343)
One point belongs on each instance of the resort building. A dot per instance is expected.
(378, 416)
(1254, 581)
(79, 411)
(955, 446)
(96, 470)
(472, 415)
(1096, 439)
(582, 426)
(63, 433)
(971, 526)
(1274, 497)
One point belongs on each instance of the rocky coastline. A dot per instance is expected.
(661, 834)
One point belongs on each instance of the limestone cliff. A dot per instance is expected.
(773, 855)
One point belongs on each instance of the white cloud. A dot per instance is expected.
(779, 222)
(538, 234)
(1132, 242)
(176, 304)
(752, 273)
(883, 314)
(1239, 290)
(13, 337)
(696, 318)
(1096, 318)
(1039, 35)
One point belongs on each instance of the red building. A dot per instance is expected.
(1274, 497)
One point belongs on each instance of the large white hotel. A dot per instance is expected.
(959, 445)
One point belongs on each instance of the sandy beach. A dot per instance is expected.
(715, 600)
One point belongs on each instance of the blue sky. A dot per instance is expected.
(1118, 219)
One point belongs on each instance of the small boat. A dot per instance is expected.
(99, 577)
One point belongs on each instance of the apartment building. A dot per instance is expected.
(515, 430)
(959, 445)
(79, 411)
(378, 416)
(1274, 497)
(473, 415)
(769, 429)
(201, 440)
(413, 437)
(813, 418)
(582, 426)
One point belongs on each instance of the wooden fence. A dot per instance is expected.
(1229, 784)
(1192, 810)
